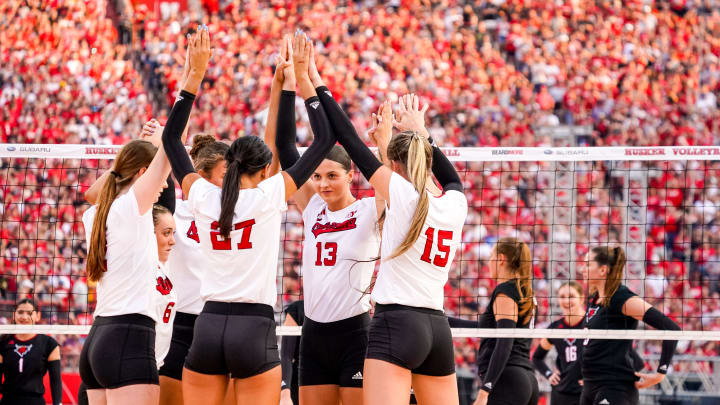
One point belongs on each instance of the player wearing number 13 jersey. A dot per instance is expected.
(341, 241)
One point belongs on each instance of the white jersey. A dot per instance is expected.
(165, 298)
(244, 267)
(417, 277)
(334, 278)
(127, 285)
(186, 261)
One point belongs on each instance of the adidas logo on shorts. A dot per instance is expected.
(488, 385)
(663, 367)
(315, 104)
(328, 93)
(604, 402)
(357, 376)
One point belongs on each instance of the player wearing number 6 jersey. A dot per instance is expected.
(342, 239)
(410, 341)
(239, 230)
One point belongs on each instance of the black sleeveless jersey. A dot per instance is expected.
(569, 356)
(609, 360)
(520, 352)
(25, 363)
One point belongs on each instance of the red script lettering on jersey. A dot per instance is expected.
(319, 229)
(164, 286)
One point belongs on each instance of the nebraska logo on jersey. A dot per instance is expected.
(319, 228)
(164, 286)
(22, 350)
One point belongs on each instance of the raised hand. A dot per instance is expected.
(199, 51)
(301, 56)
(152, 132)
(198, 56)
(317, 81)
(411, 116)
(383, 129)
(284, 71)
(301, 62)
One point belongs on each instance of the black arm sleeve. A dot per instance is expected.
(172, 134)
(55, 381)
(538, 360)
(659, 321)
(287, 354)
(638, 362)
(167, 197)
(323, 142)
(445, 172)
(346, 134)
(285, 135)
(462, 323)
(499, 357)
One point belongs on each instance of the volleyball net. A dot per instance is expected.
(661, 204)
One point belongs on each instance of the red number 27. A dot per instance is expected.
(442, 236)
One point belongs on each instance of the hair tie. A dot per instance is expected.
(114, 173)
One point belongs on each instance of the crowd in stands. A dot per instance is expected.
(494, 73)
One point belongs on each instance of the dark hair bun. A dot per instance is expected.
(200, 141)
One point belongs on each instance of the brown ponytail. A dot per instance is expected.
(415, 152)
(206, 153)
(519, 261)
(132, 157)
(615, 259)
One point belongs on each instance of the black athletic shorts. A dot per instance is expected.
(516, 386)
(182, 336)
(559, 398)
(417, 339)
(119, 351)
(333, 353)
(234, 338)
(23, 400)
(609, 393)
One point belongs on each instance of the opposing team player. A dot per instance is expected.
(565, 378)
(117, 362)
(504, 366)
(25, 358)
(341, 240)
(239, 230)
(608, 370)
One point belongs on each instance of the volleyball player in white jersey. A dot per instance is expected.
(239, 230)
(341, 239)
(166, 296)
(117, 362)
(410, 343)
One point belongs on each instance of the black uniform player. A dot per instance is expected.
(507, 376)
(25, 358)
(607, 365)
(290, 354)
(565, 379)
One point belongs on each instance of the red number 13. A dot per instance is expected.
(332, 254)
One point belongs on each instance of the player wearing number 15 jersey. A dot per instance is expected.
(410, 339)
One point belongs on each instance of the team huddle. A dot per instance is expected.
(186, 287)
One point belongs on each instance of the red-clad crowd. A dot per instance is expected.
(495, 73)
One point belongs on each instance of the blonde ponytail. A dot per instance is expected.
(415, 152)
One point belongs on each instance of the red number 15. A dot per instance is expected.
(442, 236)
